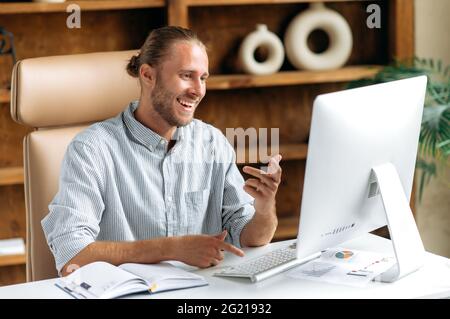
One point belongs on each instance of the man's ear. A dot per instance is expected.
(147, 75)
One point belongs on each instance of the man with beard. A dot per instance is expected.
(155, 184)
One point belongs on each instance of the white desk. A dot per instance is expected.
(431, 281)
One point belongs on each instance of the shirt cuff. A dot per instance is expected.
(246, 214)
(67, 246)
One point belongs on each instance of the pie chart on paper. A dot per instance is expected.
(344, 254)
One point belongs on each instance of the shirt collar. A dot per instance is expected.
(142, 133)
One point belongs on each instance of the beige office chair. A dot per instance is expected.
(59, 96)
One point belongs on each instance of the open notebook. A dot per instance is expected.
(103, 280)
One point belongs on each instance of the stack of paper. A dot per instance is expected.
(13, 246)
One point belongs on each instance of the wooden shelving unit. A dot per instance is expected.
(238, 81)
(11, 176)
(10, 260)
(85, 5)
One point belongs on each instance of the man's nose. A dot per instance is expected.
(196, 88)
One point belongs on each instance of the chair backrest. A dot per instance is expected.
(59, 96)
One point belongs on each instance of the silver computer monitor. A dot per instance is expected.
(360, 168)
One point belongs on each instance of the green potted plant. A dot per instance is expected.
(434, 140)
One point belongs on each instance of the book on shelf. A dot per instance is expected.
(105, 281)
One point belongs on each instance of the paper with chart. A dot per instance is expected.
(344, 266)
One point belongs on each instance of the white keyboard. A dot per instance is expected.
(266, 265)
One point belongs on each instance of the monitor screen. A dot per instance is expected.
(353, 131)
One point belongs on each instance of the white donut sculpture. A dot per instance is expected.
(262, 37)
(337, 29)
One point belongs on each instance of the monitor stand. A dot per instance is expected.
(408, 246)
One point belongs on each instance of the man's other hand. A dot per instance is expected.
(203, 250)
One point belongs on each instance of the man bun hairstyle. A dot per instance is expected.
(133, 66)
(156, 47)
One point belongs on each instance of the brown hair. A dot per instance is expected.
(157, 45)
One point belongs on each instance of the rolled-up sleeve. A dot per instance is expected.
(75, 212)
(237, 206)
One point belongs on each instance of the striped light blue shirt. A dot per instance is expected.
(119, 183)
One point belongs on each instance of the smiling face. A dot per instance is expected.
(180, 83)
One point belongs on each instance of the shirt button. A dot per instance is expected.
(169, 198)
(162, 142)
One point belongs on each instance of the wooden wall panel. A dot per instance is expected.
(401, 29)
(10, 275)
(287, 108)
(12, 225)
(370, 46)
(11, 137)
(177, 13)
(12, 212)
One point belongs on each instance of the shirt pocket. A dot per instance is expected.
(196, 208)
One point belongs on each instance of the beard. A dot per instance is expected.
(162, 103)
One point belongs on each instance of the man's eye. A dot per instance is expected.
(186, 75)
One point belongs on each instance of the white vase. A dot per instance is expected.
(318, 17)
(261, 37)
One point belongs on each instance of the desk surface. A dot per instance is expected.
(431, 281)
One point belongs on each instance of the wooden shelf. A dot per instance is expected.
(85, 5)
(239, 81)
(10, 260)
(287, 228)
(251, 2)
(11, 176)
(5, 96)
(288, 152)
